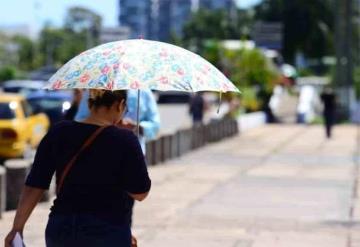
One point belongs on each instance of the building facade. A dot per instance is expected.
(172, 16)
(110, 34)
(216, 4)
(136, 14)
(159, 19)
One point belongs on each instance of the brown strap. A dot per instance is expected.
(69, 165)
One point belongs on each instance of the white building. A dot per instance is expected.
(110, 34)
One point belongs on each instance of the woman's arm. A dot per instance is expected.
(135, 178)
(30, 196)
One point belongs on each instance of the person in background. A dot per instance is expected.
(197, 108)
(149, 114)
(95, 194)
(77, 96)
(309, 100)
(329, 102)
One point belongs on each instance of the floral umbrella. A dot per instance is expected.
(140, 64)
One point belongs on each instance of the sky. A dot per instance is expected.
(37, 12)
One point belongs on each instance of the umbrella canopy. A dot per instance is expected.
(140, 64)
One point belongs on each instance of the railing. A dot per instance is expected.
(175, 145)
(166, 147)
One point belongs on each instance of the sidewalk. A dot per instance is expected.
(279, 185)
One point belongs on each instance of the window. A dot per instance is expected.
(28, 111)
(6, 112)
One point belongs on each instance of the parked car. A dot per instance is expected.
(24, 87)
(54, 104)
(43, 73)
(20, 128)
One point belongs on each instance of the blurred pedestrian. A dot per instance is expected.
(96, 189)
(149, 114)
(329, 103)
(197, 108)
(77, 96)
(308, 102)
(265, 95)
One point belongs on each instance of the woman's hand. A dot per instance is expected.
(29, 198)
(10, 237)
(131, 125)
(139, 197)
(133, 241)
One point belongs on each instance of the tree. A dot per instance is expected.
(212, 52)
(26, 52)
(58, 45)
(215, 25)
(8, 51)
(84, 21)
(55, 46)
(249, 68)
(308, 25)
(80, 32)
(7, 73)
(253, 73)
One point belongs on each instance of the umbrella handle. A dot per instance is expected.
(220, 99)
(138, 115)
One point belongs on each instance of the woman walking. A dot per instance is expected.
(100, 169)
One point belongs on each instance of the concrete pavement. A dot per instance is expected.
(279, 185)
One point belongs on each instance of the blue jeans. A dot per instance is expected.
(85, 230)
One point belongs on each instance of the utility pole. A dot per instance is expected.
(344, 61)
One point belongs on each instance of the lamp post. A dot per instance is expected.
(344, 64)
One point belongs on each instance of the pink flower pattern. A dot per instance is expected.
(164, 80)
(135, 85)
(105, 70)
(84, 78)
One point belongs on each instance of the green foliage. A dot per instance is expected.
(8, 56)
(57, 46)
(81, 31)
(305, 72)
(26, 52)
(7, 73)
(211, 52)
(207, 24)
(308, 25)
(253, 73)
(215, 25)
(357, 82)
(249, 99)
(84, 21)
(249, 68)
(175, 40)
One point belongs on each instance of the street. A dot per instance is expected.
(278, 185)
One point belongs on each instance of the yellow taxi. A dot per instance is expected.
(21, 129)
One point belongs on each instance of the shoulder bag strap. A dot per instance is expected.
(69, 165)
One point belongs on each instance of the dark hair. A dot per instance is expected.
(106, 98)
